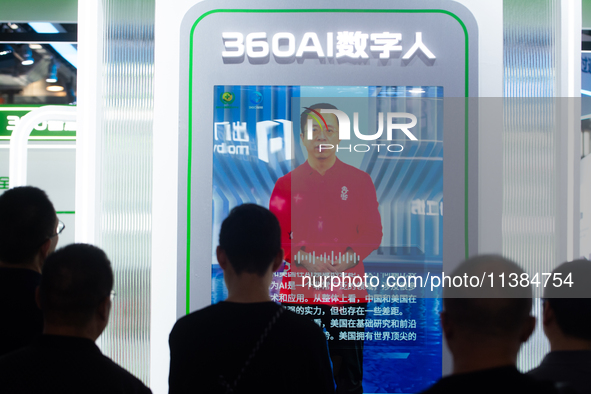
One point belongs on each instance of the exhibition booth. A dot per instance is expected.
(187, 109)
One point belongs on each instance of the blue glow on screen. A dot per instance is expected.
(409, 188)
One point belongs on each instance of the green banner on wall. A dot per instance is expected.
(10, 116)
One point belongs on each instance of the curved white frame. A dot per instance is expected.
(17, 167)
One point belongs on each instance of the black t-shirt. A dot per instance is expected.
(572, 367)
(21, 320)
(64, 365)
(218, 340)
(505, 380)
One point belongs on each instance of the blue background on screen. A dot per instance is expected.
(409, 188)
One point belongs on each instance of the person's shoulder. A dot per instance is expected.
(16, 369)
(287, 177)
(122, 378)
(20, 272)
(301, 170)
(299, 336)
(17, 359)
(15, 277)
(282, 186)
(537, 373)
(198, 317)
(565, 367)
(352, 171)
(301, 325)
(292, 178)
(295, 318)
(435, 389)
(280, 190)
(542, 386)
(538, 388)
(523, 383)
(491, 381)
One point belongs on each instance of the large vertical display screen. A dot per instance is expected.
(357, 183)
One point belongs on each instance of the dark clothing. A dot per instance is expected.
(506, 380)
(572, 367)
(60, 364)
(345, 344)
(22, 321)
(217, 341)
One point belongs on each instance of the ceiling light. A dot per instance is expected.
(27, 56)
(416, 91)
(35, 46)
(5, 50)
(52, 72)
(13, 26)
(54, 88)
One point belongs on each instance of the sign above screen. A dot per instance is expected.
(348, 45)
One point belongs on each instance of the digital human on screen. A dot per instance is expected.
(330, 223)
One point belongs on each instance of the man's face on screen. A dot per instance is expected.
(321, 135)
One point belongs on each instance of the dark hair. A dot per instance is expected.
(572, 304)
(27, 219)
(75, 280)
(304, 115)
(488, 311)
(251, 238)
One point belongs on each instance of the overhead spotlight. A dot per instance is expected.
(27, 56)
(35, 46)
(13, 26)
(52, 72)
(5, 50)
(54, 88)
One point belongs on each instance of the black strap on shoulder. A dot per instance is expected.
(230, 388)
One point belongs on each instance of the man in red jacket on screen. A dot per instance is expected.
(328, 212)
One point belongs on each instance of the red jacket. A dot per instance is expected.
(325, 215)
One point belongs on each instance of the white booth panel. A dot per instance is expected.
(52, 168)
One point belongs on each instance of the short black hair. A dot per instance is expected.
(488, 311)
(27, 219)
(304, 115)
(75, 280)
(572, 303)
(251, 238)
